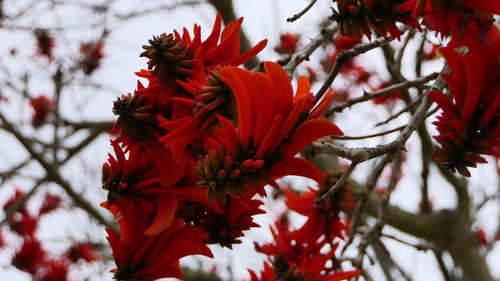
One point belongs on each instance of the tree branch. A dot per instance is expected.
(54, 175)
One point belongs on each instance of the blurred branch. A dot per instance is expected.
(158, 9)
(393, 88)
(344, 56)
(54, 175)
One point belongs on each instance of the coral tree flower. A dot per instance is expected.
(273, 125)
(324, 219)
(45, 44)
(173, 59)
(150, 257)
(288, 43)
(469, 125)
(172, 56)
(303, 260)
(43, 107)
(92, 55)
(444, 16)
(151, 180)
(82, 251)
(361, 17)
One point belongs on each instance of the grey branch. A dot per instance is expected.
(393, 88)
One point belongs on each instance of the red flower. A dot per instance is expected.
(174, 56)
(50, 203)
(44, 43)
(288, 43)
(43, 107)
(150, 179)
(92, 54)
(273, 125)
(82, 251)
(324, 219)
(174, 59)
(211, 97)
(30, 256)
(481, 236)
(150, 257)
(443, 16)
(298, 259)
(360, 17)
(54, 270)
(431, 52)
(469, 124)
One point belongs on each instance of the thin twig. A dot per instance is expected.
(54, 175)
(321, 200)
(393, 88)
(419, 247)
(343, 57)
(291, 62)
(408, 107)
(383, 133)
(442, 266)
(301, 13)
(358, 155)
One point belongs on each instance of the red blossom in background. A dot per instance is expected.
(82, 251)
(288, 43)
(45, 44)
(43, 107)
(50, 203)
(29, 257)
(298, 258)
(92, 53)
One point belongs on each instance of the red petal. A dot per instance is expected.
(296, 167)
(306, 133)
(167, 205)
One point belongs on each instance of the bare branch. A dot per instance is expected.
(393, 88)
(54, 175)
(301, 13)
(321, 200)
(291, 62)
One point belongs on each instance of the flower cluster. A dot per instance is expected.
(196, 147)
(92, 54)
(444, 16)
(45, 44)
(298, 259)
(469, 124)
(43, 108)
(302, 254)
(32, 257)
(356, 18)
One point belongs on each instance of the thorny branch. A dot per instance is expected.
(291, 62)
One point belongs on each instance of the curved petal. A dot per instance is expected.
(306, 133)
(167, 205)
